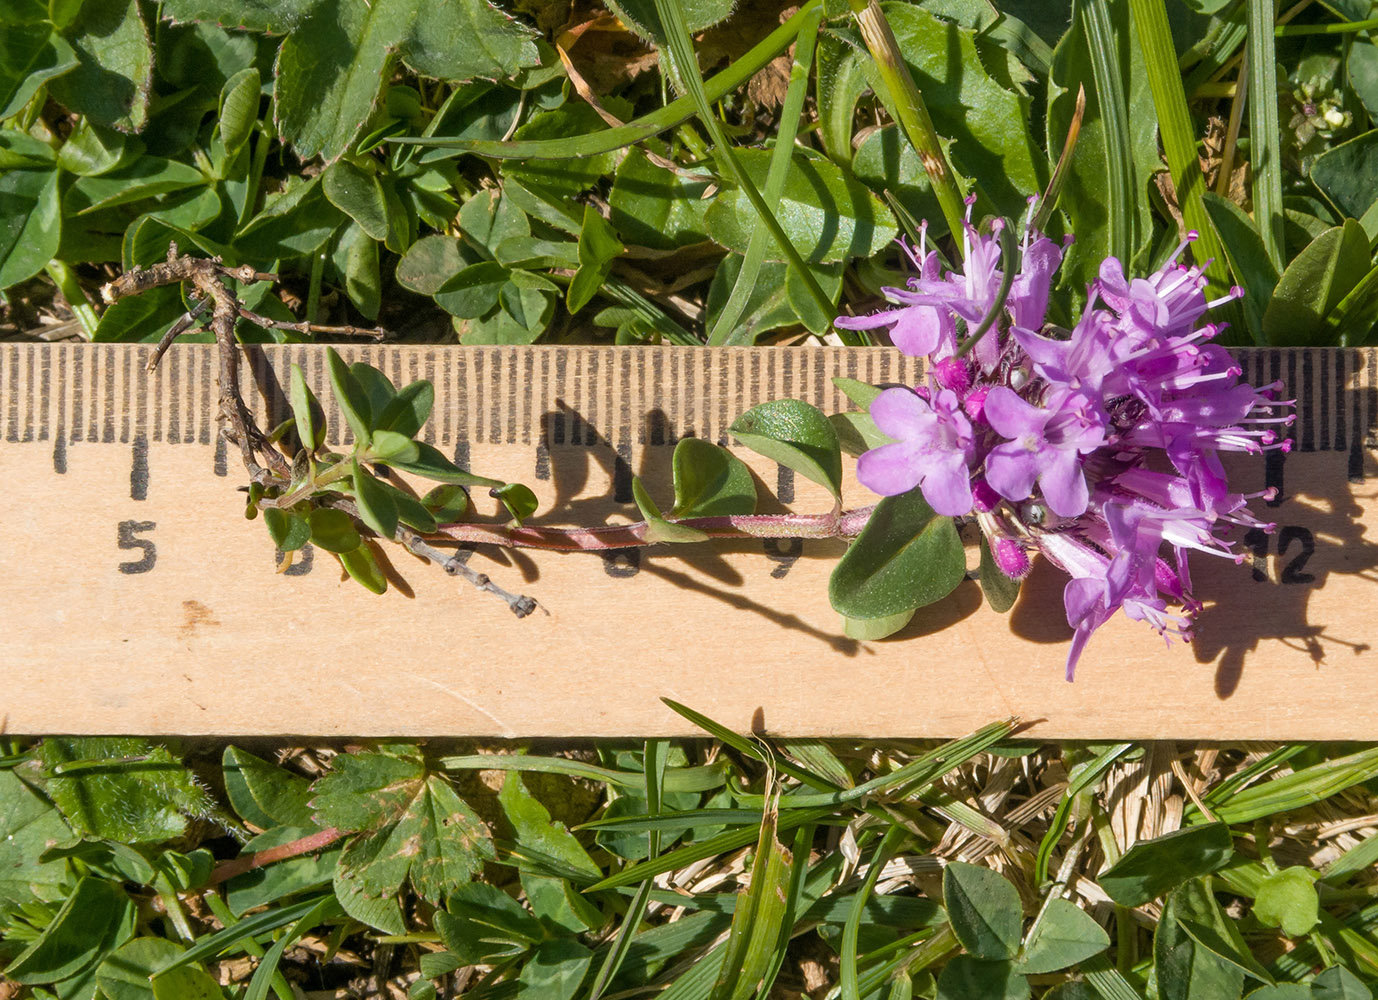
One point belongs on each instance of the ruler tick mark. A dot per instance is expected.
(138, 469)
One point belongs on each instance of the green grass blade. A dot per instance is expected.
(1265, 131)
(747, 747)
(1179, 140)
(759, 918)
(902, 99)
(851, 931)
(678, 779)
(246, 929)
(721, 843)
(663, 119)
(1300, 788)
(790, 115)
(654, 771)
(685, 68)
(1112, 99)
(1082, 778)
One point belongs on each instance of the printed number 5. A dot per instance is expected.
(128, 529)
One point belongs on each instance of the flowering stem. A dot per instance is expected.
(846, 524)
(902, 99)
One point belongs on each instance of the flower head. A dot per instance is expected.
(1098, 447)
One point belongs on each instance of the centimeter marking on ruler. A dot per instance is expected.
(556, 396)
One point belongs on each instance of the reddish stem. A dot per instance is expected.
(846, 524)
(248, 862)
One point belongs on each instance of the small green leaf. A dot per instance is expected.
(655, 207)
(409, 409)
(376, 507)
(710, 481)
(432, 261)
(827, 214)
(357, 193)
(264, 794)
(410, 511)
(1184, 969)
(377, 387)
(984, 910)
(1314, 283)
(1247, 255)
(857, 433)
(447, 503)
(481, 922)
(127, 974)
(555, 969)
(1152, 867)
(905, 557)
(388, 446)
(520, 502)
(1066, 935)
(289, 530)
(307, 410)
(239, 109)
(1001, 591)
(1287, 899)
(434, 465)
(876, 628)
(30, 226)
(94, 918)
(797, 435)
(968, 978)
(472, 291)
(657, 528)
(1208, 925)
(860, 393)
(598, 246)
(112, 81)
(332, 530)
(411, 825)
(350, 395)
(363, 568)
(1338, 983)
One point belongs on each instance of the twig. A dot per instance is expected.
(292, 849)
(847, 524)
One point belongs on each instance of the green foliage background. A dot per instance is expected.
(435, 168)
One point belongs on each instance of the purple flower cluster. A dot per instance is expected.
(1099, 448)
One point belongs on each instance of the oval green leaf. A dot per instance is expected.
(1066, 935)
(376, 506)
(905, 557)
(984, 909)
(289, 531)
(520, 502)
(710, 481)
(307, 410)
(827, 215)
(1001, 592)
(1152, 867)
(796, 435)
(332, 530)
(362, 567)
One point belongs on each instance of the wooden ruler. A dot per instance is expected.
(138, 599)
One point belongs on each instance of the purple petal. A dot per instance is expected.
(918, 331)
(1011, 470)
(1063, 482)
(902, 415)
(890, 469)
(1010, 415)
(947, 486)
